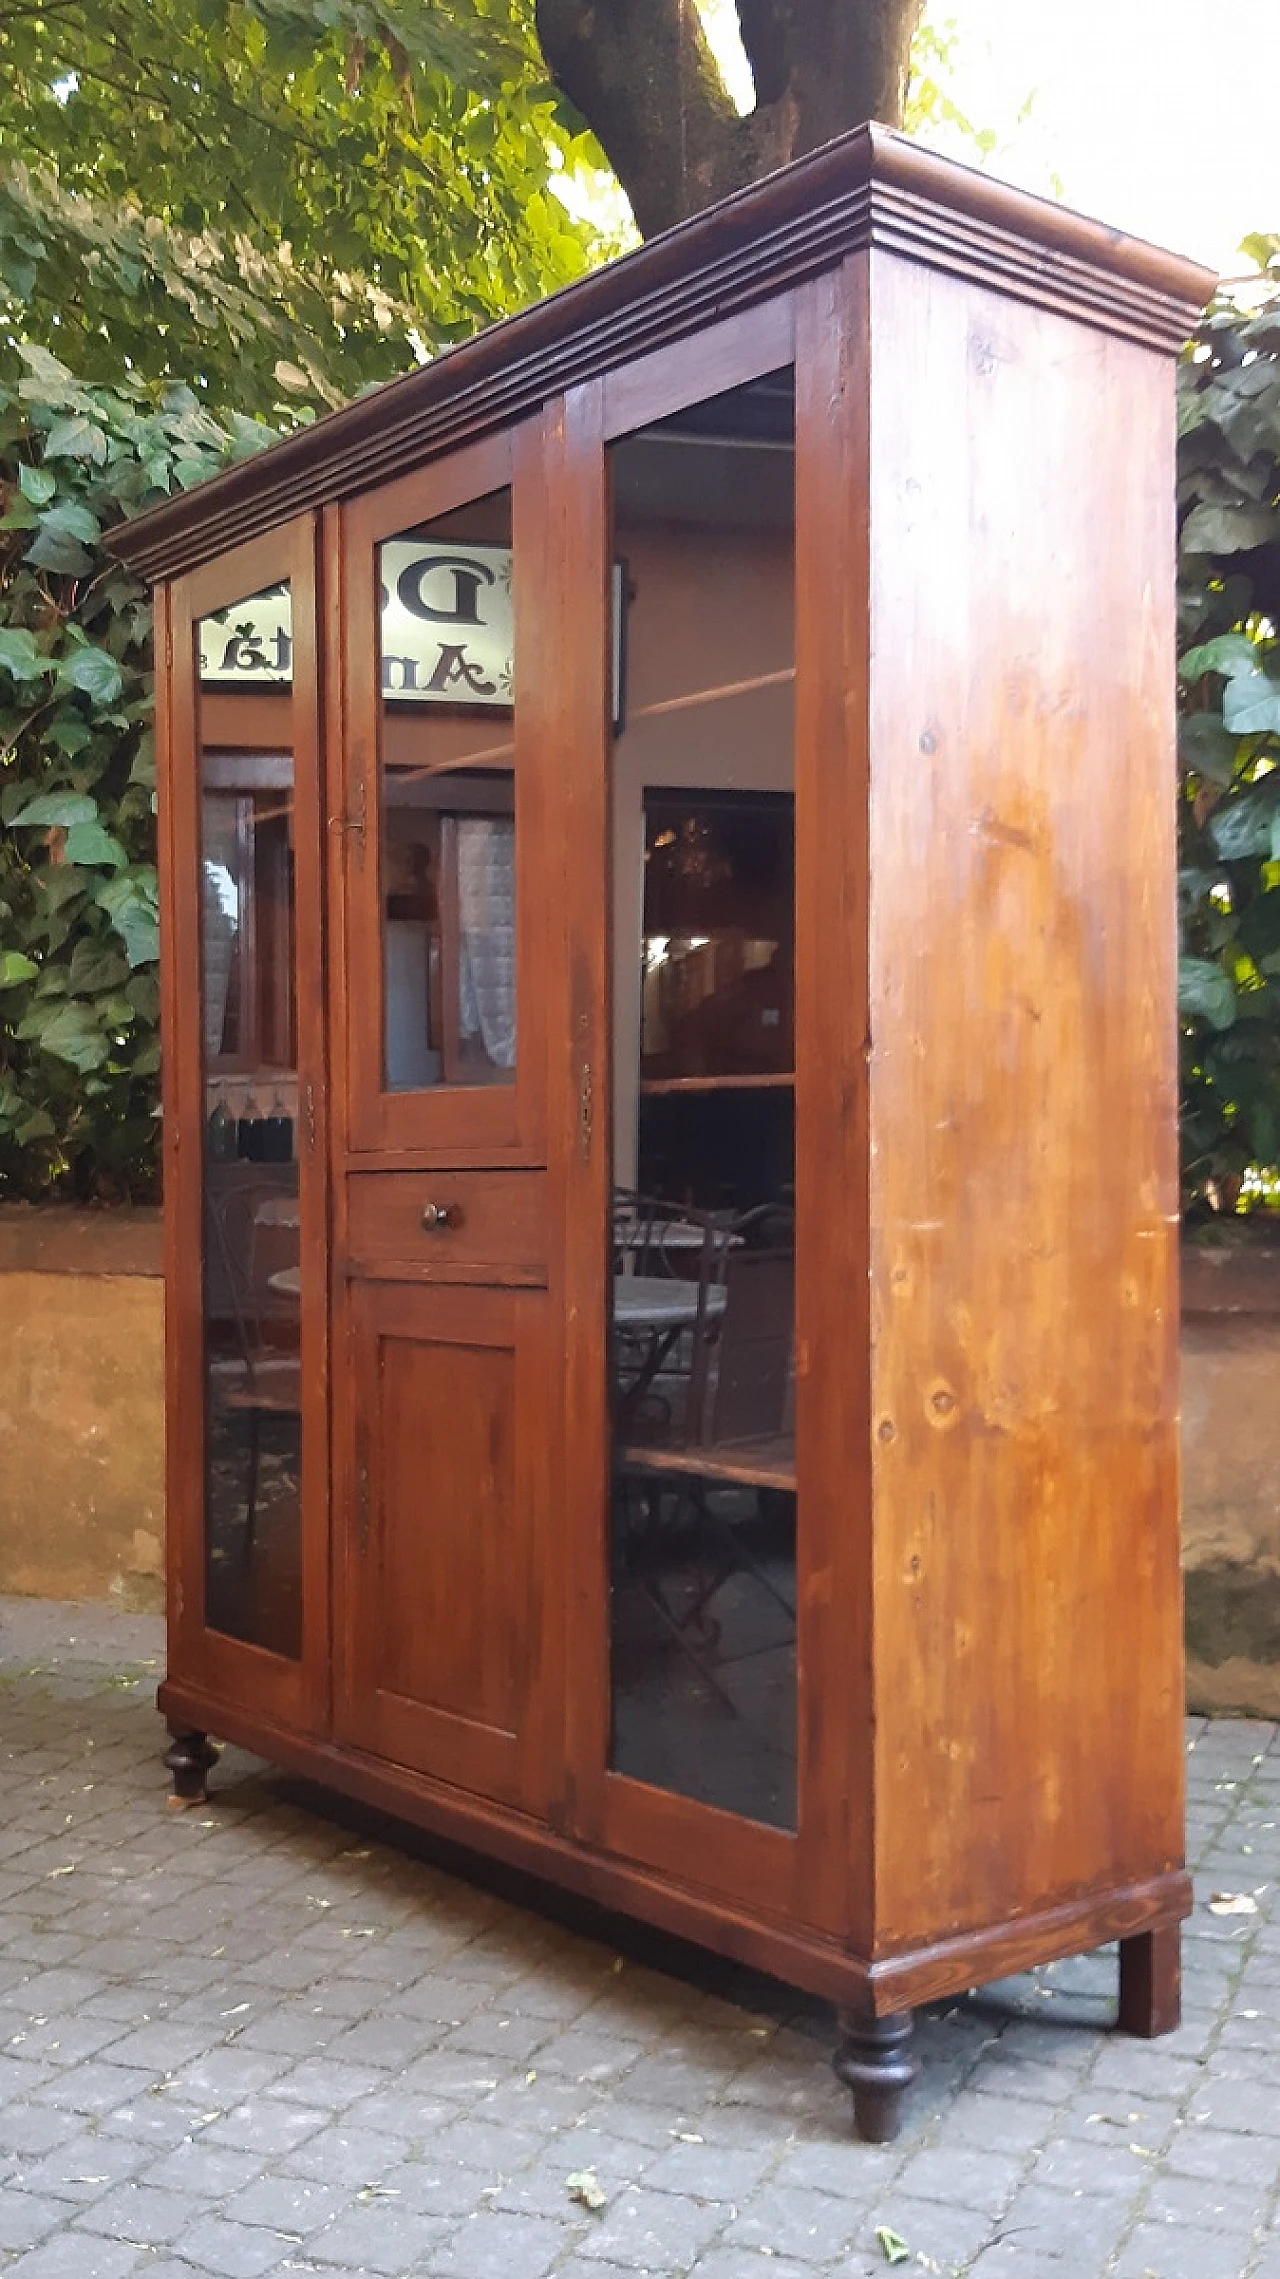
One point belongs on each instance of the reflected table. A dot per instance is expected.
(653, 1311)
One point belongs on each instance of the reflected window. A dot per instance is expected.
(252, 1257)
(448, 852)
(702, 1369)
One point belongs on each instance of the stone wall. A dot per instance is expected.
(82, 1435)
(1231, 1477)
(81, 1404)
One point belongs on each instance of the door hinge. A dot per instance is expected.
(586, 1110)
(360, 818)
(310, 1098)
(352, 826)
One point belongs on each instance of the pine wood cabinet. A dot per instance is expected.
(668, 811)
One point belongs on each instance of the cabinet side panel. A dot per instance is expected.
(1023, 1097)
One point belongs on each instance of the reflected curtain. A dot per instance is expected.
(487, 927)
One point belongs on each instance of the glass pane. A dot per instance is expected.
(252, 1259)
(703, 1553)
(448, 801)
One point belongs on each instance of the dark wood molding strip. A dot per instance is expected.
(975, 1958)
(870, 188)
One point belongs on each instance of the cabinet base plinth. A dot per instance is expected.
(874, 2061)
(189, 1757)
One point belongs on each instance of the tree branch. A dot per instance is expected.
(764, 43)
(644, 78)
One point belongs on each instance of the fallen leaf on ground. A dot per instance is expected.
(584, 2187)
(1232, 1903)
(893, 2248)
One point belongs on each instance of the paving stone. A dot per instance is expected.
(709, 2171)
(385, 2239)
(1216, 2204)
(1226, 2155)
(204, 2171)
(1165, 2251)
(234, 2251)
(1075, 2166)
(138, 2213)
(26, 2217)
(94, 2088)
(652, 2232)
(1076, 2226)
(267, 2128)
(812, 2226)
(945, 2238)
(963, 2177)
(73, 2255)
(82, 2168)
(290, 2204)
(497, 2244)
(347, 2155)
(315, 2054)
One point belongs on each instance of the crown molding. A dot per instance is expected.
(870, 189)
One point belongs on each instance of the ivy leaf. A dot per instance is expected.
(14, 967)
(47, 381)
(37, 484)
(70, 1032)
(94, 672)
(54, 550)
(132, 911)
(1205, 990)
(1226, 653)
(1242, 826)
(98, 964)
(1206, 748)
(1213, 529)
(63, 808)
(69, 519)
(76, 438)
(19, 654)
(1251, 705)
(89, 843)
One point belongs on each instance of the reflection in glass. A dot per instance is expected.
(448, 853)
(252, 1265)
(703, 1627)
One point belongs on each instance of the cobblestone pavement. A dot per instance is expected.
(264, 2038)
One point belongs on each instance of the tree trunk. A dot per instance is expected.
(646, 82)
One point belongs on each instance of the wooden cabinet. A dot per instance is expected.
(670, 1037)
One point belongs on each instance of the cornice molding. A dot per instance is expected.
(872, 188)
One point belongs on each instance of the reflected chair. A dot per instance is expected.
(737, 1434)
(252, 1265)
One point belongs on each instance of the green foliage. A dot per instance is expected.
(258, 195)
(79, 1001)
(1229, 748)
(276, 202)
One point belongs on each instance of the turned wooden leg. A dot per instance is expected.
(189, 1757)
(874, 2060)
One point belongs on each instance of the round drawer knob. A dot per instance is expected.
(437, 1218)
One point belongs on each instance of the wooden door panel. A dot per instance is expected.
(443, 1577)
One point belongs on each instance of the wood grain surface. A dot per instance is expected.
(1028, 1682)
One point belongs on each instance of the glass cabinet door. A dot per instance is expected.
(701, 1335)
(248, 1116)
(435, 822)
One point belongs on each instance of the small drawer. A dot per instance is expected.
(448, 1226)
